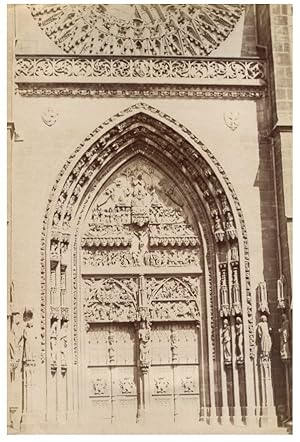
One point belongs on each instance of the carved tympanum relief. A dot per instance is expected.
(139, 220)
(193, 30)
(140, 223)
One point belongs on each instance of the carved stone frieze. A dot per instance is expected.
(110, 299)
(174, 235)
(153, 91)
(173, 298)
(166, 29)
(152, 258)
(234, 72)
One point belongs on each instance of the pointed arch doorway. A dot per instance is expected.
(143, 289)
(146, 275)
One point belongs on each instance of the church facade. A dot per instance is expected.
(150, 218)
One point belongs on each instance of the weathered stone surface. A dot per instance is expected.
(155, 212)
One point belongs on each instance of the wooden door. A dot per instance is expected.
(174, 373)
(112, 372)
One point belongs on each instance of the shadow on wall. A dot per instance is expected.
(264, 181)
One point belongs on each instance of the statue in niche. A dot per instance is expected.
(226, 342)
(218, 231)
(284, 332)
(56, 219)
(229, 226)
(111, 347)
(239, 340)
(63, 343)
(15, 341)
(29, 339)
(30, 354)
(234, 253)
(264, 338)
(224, 288)
(144, 338)
(53, 342)
(174, 339)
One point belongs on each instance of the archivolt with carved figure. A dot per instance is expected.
(144, 242)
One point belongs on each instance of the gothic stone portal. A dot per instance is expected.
(143, 294)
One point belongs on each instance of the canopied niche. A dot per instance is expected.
(146, 243)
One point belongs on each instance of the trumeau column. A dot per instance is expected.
(144, 340)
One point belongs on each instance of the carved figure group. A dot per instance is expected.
(155, 258)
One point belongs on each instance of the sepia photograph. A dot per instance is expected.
(149, 219)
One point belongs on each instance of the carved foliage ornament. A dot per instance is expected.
(174, 298)
(110, 300)
(193, 30)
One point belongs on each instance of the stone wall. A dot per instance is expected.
(256, 154)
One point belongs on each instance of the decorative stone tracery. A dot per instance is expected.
(192, 30)
(132, 231)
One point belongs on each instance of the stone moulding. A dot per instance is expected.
(154, 70)
(139, 91)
